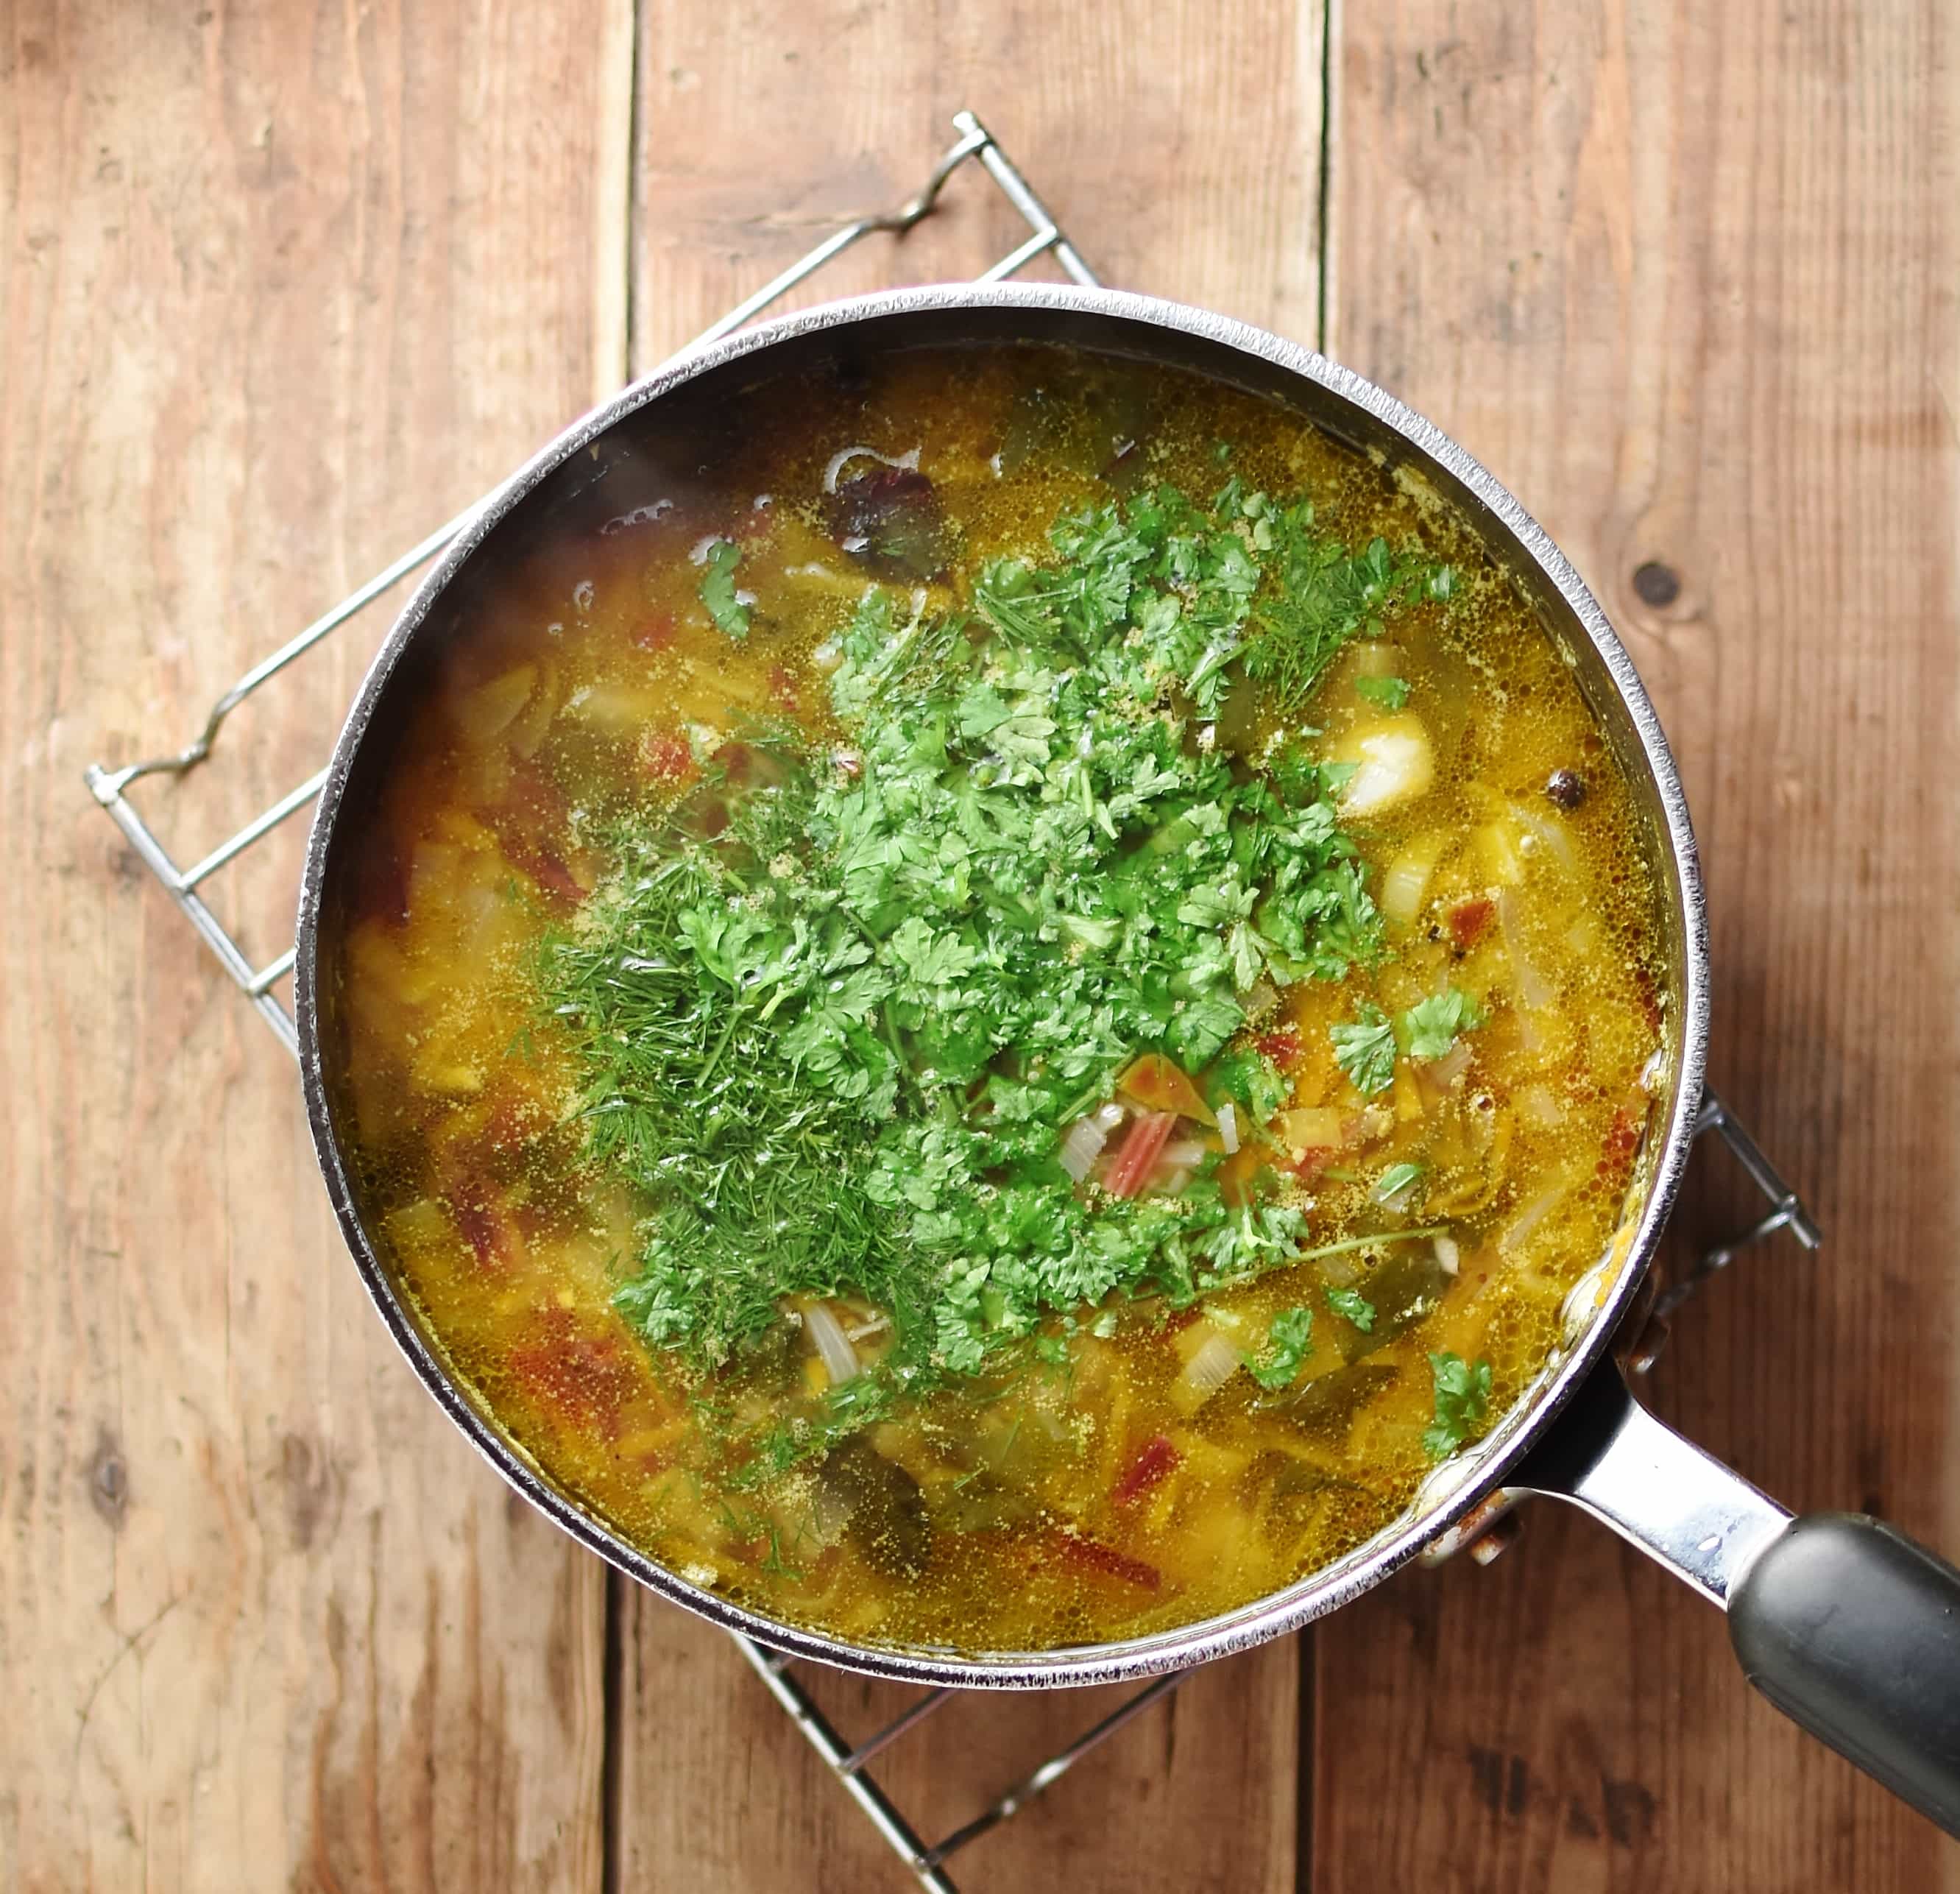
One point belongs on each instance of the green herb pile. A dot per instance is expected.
(837, 1042)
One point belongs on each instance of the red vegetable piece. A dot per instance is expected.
(1622, 1140)
(1279, 1046)
(547, 867)
(481, 1228)
(782, 688)
(1105, 1559)
(664, 755)
(657, 633)
(582, 1380)
(1467, 921)
(1149, 1133)
(1157, 1458)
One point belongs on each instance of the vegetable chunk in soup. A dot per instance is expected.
(994, 1008)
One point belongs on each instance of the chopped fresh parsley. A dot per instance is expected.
(1326, 596)
(1395, 1183)
(833, 1022)
(1247, 1077)
(1463, 1393)
(1390, 692)
(1287, 1343)
(1365, 1048)
(718, 588)
(1431, 1027)
(1354, 1306)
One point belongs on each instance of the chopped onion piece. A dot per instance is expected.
(1228, 1128)
(1208, 1370)
(1406, 880)
(1448, 1254)
(1437, 1076)
(1083, 1146)
(1184, 1152)
(1111, 1115)
(1534, 989)
(1558, 843)
(1535, 1104)
(840, 1358)
(1533, 1213)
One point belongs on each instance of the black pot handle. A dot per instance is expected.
(1845, 1624)
(1849, 1627)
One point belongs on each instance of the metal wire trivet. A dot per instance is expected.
(258, 982)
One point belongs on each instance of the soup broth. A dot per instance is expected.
(993, 1009)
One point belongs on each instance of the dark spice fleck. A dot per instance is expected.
(1567, 788)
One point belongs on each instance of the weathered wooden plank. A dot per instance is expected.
(1685, 279)
(283, 285)
(759, 129)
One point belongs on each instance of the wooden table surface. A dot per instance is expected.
(285, 285)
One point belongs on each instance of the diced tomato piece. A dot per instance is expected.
(657, 633)
(582, 1380)
(547, 867)
(782, 688)
(481, 1228)
(1310, 1164)
(1143, 1145)
(1157, 1458)
(1279, 1046)
(1467, 921)
(736, 760)
(1099, 1557)
(664, 755)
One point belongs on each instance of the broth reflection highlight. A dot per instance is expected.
(992, 1011)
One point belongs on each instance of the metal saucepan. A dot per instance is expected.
(1843, 1623)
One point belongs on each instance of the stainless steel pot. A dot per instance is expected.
(1845, 1624)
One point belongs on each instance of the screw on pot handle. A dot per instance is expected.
(1844, 1624)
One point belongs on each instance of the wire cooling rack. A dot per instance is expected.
(260, 983)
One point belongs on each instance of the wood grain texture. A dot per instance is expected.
(759, 129)
(1685, 278)
(284, 284)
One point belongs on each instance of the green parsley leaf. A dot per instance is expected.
(718, 589)
(1365, 1048)
(1397, 1182)
(1463, 1393)
(835, 1039)
(1354, 1306)
(1287, 1343)
(1248, 1078)
(1390, 692)
(1430, 1027)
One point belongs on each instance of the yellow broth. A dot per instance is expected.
(1093, 1492)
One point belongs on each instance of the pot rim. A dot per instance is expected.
(1472, 1475)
